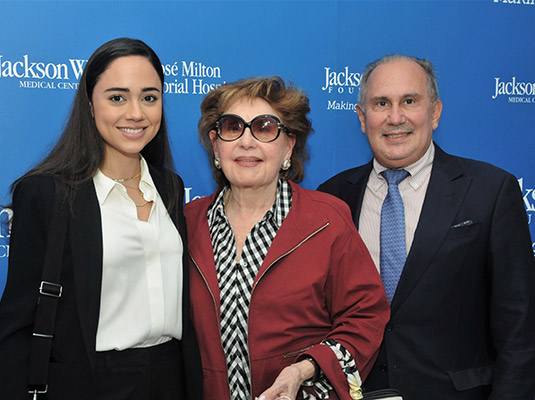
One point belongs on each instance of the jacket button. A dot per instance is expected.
(383, 368)
(389, 327)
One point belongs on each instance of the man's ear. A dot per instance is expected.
(362, 118)
(437, 112)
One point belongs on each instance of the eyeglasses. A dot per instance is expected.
(265, 128)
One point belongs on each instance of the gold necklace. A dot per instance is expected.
(142, 195)
(119, 180)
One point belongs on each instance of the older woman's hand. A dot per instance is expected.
(289, 381)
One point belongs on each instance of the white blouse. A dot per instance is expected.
(141, 295)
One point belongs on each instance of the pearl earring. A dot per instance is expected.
(286, 164)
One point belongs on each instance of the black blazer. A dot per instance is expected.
(463, 317)
(73, 351)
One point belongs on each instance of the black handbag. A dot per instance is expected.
(383, 394)
(50, 292)
(356, 393)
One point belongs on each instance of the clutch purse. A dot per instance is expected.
(383, 394)
(356, 393)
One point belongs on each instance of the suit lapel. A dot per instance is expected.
(354, 195)
(86, 246)
(445, 193)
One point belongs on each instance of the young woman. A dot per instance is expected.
(122, 328)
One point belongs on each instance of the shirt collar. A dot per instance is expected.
(105, 185)
(277, 213)
(283, 202)
(216, 211)
(417, 171)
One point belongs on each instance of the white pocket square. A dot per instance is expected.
(464, 223)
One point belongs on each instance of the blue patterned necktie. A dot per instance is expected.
(393, 246)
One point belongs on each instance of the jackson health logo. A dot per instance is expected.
(341, 85)
(516, 91)
(529, 198)
(6, 214)
(189, 195)
(528, 195)
(38, 74)
(182, 77)
(512, 2)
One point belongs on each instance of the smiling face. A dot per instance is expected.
(127, 107)
(247, 162)
(398, 116)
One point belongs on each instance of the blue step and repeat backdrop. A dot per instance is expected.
(484, 51)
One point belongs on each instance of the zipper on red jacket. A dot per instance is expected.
(254, 286)
(210, 290)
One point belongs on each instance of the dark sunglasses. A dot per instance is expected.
(264, 128)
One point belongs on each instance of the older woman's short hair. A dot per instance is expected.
(291, 104)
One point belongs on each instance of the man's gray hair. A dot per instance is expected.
(432, 87)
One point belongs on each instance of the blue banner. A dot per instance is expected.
(484, 52)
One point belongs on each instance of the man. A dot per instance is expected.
(463, 301)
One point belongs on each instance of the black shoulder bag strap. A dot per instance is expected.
(50, 292)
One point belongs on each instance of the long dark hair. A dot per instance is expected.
(80, 149)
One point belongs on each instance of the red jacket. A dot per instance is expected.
(317, 282)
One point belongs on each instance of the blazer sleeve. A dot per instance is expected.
(32, 202)
(512, 302)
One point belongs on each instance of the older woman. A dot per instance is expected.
(286, 300)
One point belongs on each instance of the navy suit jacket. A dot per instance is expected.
(463, 316)
(73, 354)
